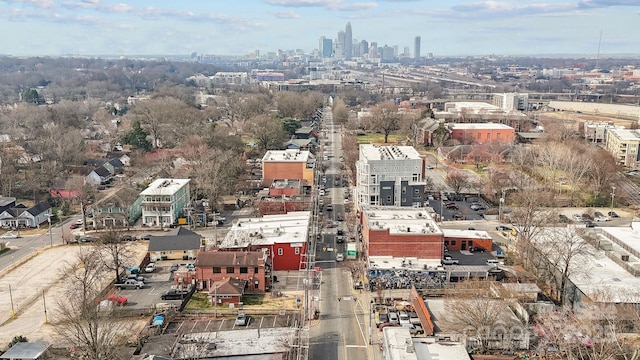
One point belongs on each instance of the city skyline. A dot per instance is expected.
(446, 28)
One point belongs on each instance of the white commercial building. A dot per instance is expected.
(623, 145)
(511, 101)
(389, 175)
(163, 201)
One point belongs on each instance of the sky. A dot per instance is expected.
(238, 27)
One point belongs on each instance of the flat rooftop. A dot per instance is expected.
(234, 343)
(467, 234)
(600, 277)
(165, 186)
(400, 220)
(388, 152)
(625, 134)
(403, 263)
(479, 126)
(292, 155)
(292, 227)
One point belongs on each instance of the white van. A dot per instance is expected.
(493, 262)
(393, 317)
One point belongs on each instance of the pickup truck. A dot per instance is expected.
(449, 261)
(130, 284)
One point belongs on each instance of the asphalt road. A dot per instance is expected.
(341, 332)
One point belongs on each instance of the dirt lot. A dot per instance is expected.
(36, 283)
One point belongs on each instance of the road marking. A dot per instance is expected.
(356, 346)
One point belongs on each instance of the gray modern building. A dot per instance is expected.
(389, 175)
(326, 47)
(416, 47)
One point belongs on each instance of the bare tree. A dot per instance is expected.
(475, 312)
(340, 111)
(384, 118)
(95, 331)
(117, 254)
(267, 132)
(457, 180)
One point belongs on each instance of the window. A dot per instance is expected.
(470, 243)
(453, 242)
(217, 270)
(255, 270)
(244, 270)
(404, 190)
(446, 243)
(388, 199)
(415, 177)
(268, 251)
(230, 269)
(416, 191)
(256, 285)
(297, 251)
(280, 252)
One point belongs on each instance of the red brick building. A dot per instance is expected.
(287, 164)
(467, 239)
(482, 133)
(282, 237)
(401, 232)
(252, 269)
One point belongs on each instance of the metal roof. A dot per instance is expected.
(26, 350)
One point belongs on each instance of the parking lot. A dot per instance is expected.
(155, 284)
(209, 325)
(457, 207)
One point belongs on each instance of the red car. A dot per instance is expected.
(73, 226)
(117, 299)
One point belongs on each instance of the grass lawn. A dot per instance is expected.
(199, 301)
(378, 139)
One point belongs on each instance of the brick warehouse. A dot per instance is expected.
(288, 164)
(401, 232)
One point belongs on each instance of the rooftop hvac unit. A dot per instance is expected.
(625, 257)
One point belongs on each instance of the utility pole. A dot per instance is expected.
(50, 233)
(613, 195)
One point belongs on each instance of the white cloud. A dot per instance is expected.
(287, 14)
(336, 5)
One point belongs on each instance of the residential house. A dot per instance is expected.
(251, 267)
(301, 144)
(163, 201)
(179, 244)
(118, 210)
(99, 176)
(227, 291)
(114, 166)
(306, 132)
(283, 237)
(21, 216)
(7, 203)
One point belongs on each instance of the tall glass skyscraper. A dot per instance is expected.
(416, 47)
(348, 42)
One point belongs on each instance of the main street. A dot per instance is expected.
(342, 332)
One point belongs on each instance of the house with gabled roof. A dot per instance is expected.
(227, 291)
(21, 216)
(99, 176)
(179, 244)
(250, 266)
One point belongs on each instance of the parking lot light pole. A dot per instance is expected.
(613, 195)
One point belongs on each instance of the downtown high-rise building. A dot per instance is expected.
(348, 42)
(325, 47)
(416, 47)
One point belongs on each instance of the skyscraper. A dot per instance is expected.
(348, 42)
(326, 47)
(416, 47)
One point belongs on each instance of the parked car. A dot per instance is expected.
(458, 216)
(386, 324)
(339, 257)
(9, 235)
(587, 217)
(577, 217)
(493, 262)
(174, 294)
(393, 318)
(404, 318)
(476, 249)
(449, 261)
(564, 219)
(339, 218)
(127, 237)
(130, 284)
(150, 268)
(590, 224)
(598, 216)
(329, 207)
(241, 320)
(136, 277)
(503, 228)
(340, 239)
(500, 254)
(117, 299)
(174, 267)
(613, 214)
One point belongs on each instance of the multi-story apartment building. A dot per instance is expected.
(163, 201)
(511, 101)
(623, 145)
(287, 164)
(389, 175)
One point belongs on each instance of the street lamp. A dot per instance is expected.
(613, 195)
(500, 205)
(50, 233)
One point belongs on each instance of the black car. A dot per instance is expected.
(613, 214)
(174, 294)
(476, 249)
(564, 219)
(127, 238)
(590, 224)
